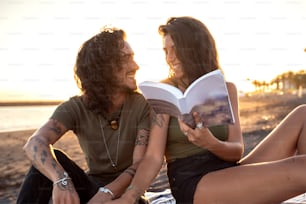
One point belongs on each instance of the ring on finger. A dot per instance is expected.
(199, 125)
(186, 133)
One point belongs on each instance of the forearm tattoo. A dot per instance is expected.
(53, 163)
(44, 156)
(40, 153)
(142, 137)
(39, 143)
(159, 120)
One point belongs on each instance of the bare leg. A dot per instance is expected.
(270, 182)
(287, 139)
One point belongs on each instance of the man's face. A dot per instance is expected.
(129, 67)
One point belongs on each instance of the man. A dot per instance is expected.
(110, 119)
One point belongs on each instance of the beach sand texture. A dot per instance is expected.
(259, 114)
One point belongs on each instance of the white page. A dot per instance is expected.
(150, 88)
(214, 82)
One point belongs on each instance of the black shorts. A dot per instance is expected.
(184, 174)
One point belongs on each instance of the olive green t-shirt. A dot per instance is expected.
(90, 130)
(178, 145)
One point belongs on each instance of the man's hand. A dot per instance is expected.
(65, 194)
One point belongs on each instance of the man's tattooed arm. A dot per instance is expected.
(40, 151)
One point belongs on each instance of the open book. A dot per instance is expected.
(208, 95)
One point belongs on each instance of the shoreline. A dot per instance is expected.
(13, 131)
(30, 103)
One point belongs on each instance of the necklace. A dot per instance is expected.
(114, 164)
(114, 124)
(113, 119)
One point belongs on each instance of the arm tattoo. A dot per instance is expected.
(55, 128)
(53, 163)
(158, 119)
(44, 156)
(142, 137)
(35, 151)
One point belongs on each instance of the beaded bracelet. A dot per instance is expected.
(63, 181)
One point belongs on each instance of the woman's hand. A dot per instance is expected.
(200, 136)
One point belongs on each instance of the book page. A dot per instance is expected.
(161, 91)
(208, 95)
(209, 87)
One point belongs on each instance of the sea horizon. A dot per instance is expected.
(24, 116)
(30, 102)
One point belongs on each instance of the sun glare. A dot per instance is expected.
(39, 40)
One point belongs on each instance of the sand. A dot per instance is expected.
(259, 115)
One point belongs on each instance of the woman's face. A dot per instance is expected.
(172, 60)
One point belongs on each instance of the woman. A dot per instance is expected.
(207, 168)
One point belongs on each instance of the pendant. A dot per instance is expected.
(114, 124)
(114, 166)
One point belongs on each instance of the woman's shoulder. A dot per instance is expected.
(231, 86)
(232, 90)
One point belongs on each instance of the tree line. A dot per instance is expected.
(285, 82)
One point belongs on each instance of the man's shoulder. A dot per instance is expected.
(137, 102)
(73, 102)
(137, 96)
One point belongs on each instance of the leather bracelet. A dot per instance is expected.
(130, 171)
(106, 190)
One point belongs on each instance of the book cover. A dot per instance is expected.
(208, 95)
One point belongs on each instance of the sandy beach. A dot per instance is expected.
(259, 115)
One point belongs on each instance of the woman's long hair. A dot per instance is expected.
(98, 61)
(194, 46)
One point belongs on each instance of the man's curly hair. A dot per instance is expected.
(98, 61)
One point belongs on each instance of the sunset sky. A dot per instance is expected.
(39, 39)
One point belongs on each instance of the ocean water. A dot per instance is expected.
(24, 117)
